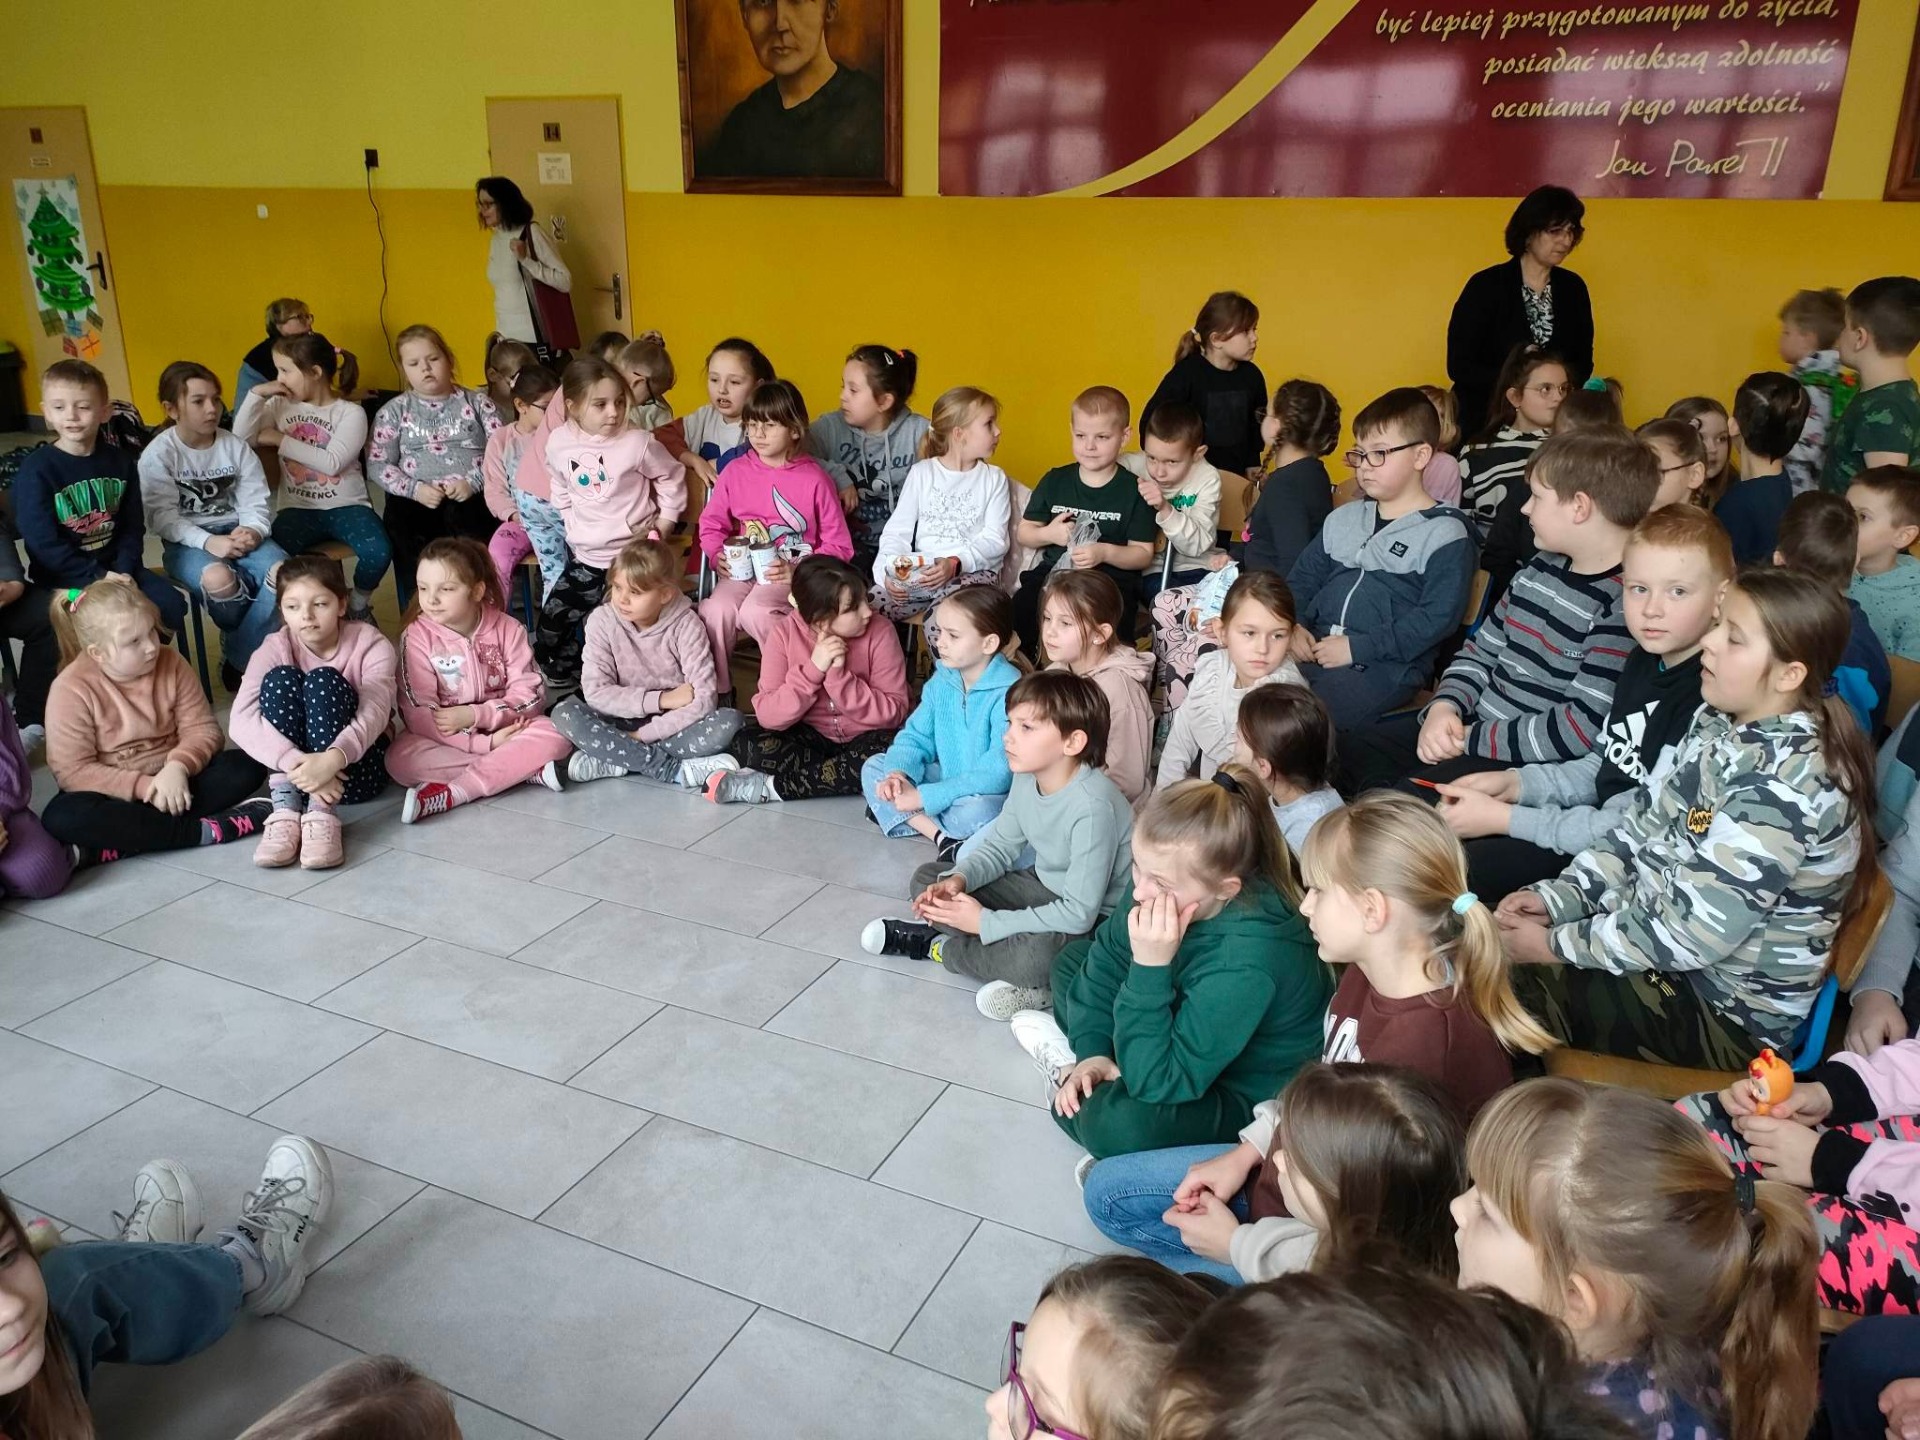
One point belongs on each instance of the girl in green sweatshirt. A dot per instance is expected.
(1200, 995)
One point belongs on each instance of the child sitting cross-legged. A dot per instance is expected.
(1423, 985)
(1886, 499)
(986, 917)
(470, 695)
(1689, 1291)
(1199, 996)
(1384, 583)
(832, 691)
(1534, 681)
(1285, 736)
(945, 775)
(1257, 618)
(132, 740)
(316, 708)
(1079, 626)
(648, 704)
(1521, 825)
(1820, 536)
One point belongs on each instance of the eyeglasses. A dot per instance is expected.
(761, 426)
(1548, 388)
(1376, 458)
(1566, 229)
(1683, 465)
(1023, 1419)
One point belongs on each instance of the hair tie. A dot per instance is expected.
(1743, 1193)
(1226, 782)
(1594, 382)
(1464, 902)
(71, 599)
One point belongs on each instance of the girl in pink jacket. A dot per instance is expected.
(784, 505)
(315, 708)
(833, 690)
(470, 697)
(1848, 1133)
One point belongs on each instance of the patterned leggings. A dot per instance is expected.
(557, 640)
(311, 708)
(903, 602)
(353, 525)
(1870, 1260)
(804, 763)
(610, 737)
(1177, 648)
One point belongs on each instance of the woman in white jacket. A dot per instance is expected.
(951, 522)
(517, 250)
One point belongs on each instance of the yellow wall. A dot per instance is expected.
(1031, 298)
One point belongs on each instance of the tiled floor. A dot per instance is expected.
(631, 1137)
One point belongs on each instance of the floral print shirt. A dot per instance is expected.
(431, 440)
(1539, 305)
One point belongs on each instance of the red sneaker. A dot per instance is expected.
(425, 800)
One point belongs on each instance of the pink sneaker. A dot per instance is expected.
(320, 840)
(279, 841)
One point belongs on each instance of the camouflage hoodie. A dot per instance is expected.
(1730, 866)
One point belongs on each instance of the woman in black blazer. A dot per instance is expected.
(1529, 300)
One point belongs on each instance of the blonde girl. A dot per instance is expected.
(1688, 1290)
(427, 450)
(304, 414)
(314, 707)
(470, 697)
(1698, 930)
(870, 443)
(1080, 614)
(1199, 996)
(132, 740)
(1373, 1154)
(1213, 371)
(949, 526)
(1442, 475)
(1257, 619)
(648, 369)
(1087, 1361)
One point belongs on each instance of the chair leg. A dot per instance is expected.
(526, 597)
(199, 643)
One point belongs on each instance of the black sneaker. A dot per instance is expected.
(947, 848)
(242, 821)
(909, 939)
(230, 677)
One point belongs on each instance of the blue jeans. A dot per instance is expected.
(354, 525)
(246, 618)
(140, 1304)
(1127, 1194)
(962, 818)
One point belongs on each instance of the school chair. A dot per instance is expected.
(525, 574)
(1670, 1082)
(197, 619)
(1905, 690)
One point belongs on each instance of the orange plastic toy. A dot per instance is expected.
(1772, 1081)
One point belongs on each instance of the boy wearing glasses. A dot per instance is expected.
(1384, 583)
(1534, 683)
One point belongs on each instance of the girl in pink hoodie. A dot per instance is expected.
(470, 697)
(1848, 1133)
(833, 689)
(784, 504)
(1080, 614)
(611, 483)
(315, 708)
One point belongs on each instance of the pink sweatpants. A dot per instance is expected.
(416, 760)
(508, 547)
(737, 605)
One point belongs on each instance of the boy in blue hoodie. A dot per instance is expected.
(1819, 536)
(1383, 585)
(945, 775)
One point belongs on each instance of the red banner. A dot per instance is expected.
(1692, 98)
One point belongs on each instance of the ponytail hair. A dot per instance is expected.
(1401, 847)
(1287, 728)
(954, 410)
(467, 558)
(1224, 827)
(313, 351)
(889, 372)
(989, 610)
(1809, 621)
(1717, 1272)
(1227, 312)
(88, 617)
(1522, 362)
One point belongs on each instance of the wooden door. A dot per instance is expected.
(56, 245)
(564, 154)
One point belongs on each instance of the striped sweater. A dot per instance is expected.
(1493, 475)
(1535, 681)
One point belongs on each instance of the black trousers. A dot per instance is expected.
(133, 827)
(1386, 757)
(28, 621)
(805, 764)
(410, 525)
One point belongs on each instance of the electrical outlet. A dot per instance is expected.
(373, 158)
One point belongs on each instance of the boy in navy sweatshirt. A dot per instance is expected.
(77, 501)
(1383, 585)
(1535, 681)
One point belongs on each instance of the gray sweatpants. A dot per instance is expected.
(1025, 959)
(609, 737)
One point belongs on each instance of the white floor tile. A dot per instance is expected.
(830, 923)
(100, 898)
(447, 902)
(780, 837)
(218, 1392)
(743, 898)
(637, 809)
(42, 967)
(962, 1329)
(234, 865)
(48, 1095)
(504, 842)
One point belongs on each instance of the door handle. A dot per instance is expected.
(99, 268)
(613, 290)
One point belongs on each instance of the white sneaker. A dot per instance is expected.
(166, 1206)
(548, 776)
(1080, 1170)
(1002, 999)
(33, 737)
(582, 767)
(279, 1218)
(693, 773)
(1041, 1037)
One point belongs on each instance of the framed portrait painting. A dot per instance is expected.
(1903, 178)
(793, 96)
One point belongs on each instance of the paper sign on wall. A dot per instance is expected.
(556, 167)
(49, 214)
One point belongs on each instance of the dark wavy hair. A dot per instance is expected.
(515, 209)
(1544, 208)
